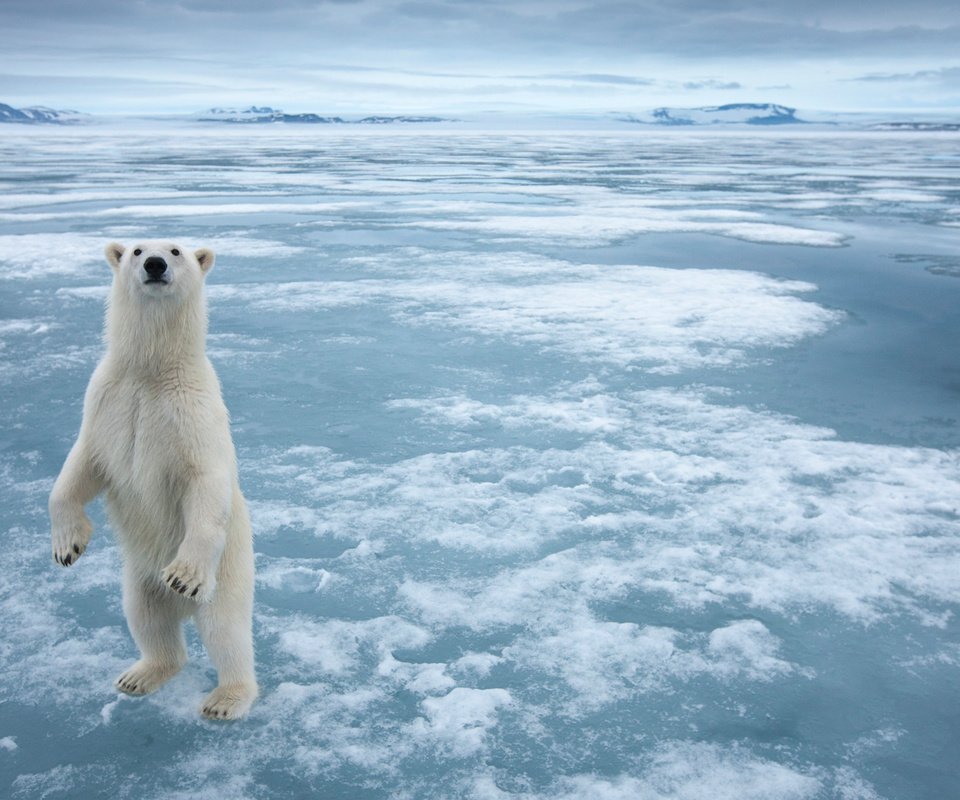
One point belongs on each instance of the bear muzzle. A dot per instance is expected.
(156, 269)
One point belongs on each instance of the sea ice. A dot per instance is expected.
(531, 519)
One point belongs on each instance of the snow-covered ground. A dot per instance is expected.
(581, 465)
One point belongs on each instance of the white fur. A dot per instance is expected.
(155, 438)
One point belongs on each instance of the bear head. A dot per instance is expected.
(159, 270)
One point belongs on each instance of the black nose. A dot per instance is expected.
(155, 267)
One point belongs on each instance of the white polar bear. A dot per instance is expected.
(155, 438)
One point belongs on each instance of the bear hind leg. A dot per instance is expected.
(155, 621)
(227, 635)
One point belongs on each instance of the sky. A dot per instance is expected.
(474, 56)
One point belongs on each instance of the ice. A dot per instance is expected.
(645, 316)
(690, 770)
(747, 645)
(184, 210)
(603, 662)
(334, 646)
(599, 226)
(44, 255)
(581, 465)
(895, 196)
(36, 256)
(458, 722)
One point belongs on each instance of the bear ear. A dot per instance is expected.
(205, 258)
(114, 253)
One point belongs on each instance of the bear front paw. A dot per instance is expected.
(189, 580)
(69, 541)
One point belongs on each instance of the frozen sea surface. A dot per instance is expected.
(581, 466)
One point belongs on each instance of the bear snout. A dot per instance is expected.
(156, 268)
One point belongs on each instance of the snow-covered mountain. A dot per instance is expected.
(39, 114)
(267, 114)
(730, 114)
(403, 118)
(916, 126)
(260, 115)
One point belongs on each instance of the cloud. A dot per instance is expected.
(712, 84)
(13, 84)
(616, 80)
(533, 29)
(286, 52)
(946, 75)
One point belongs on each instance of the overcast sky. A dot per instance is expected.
(461, 56)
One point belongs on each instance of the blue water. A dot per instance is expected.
(581, 465)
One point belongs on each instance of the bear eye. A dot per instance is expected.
(175, 252)
(137, 252)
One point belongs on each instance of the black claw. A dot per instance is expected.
(68, 560)
(194, 592)
(76, 549)
(182, 589)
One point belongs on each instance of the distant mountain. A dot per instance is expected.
(260, 115)
(730, 114)
(390, 120)
(916, 126)
(39, 115)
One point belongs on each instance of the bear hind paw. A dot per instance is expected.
(229, 702)
(144, 677)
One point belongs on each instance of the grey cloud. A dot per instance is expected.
(450, 29)
(613, 79)
(948, 75)
(109, 10)
(563, 46)
(629, 28)
(616, 80)
(712, 84)
(434, 11)
(11, 84)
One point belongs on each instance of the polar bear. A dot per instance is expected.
(155, 438)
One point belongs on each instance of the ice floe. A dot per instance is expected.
(565, 567)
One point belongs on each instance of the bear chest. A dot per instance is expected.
(146, 436)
